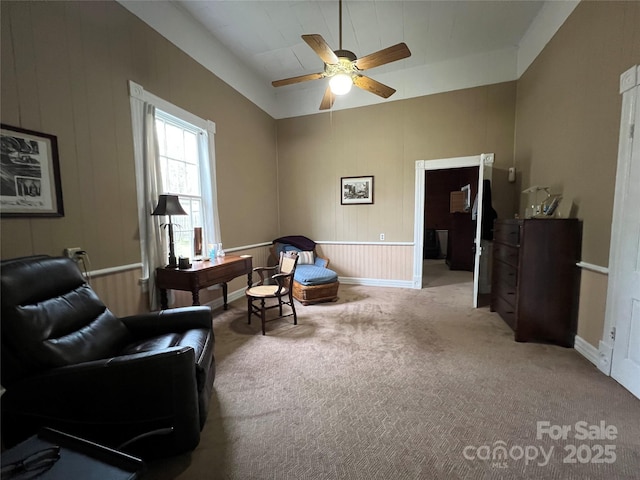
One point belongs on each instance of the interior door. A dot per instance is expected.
(481, 265)
(625, 274)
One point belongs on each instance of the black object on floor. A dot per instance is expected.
(54, 455)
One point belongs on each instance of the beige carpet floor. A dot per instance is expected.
(394, 383)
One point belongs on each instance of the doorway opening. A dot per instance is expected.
(449, 236)
(479, 250)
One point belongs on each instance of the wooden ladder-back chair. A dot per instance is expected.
(281, 290)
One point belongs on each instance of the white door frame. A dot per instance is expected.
(423, 166)
(616, 351)
(628, 80)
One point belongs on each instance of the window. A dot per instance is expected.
(179, 155)
(174, 153)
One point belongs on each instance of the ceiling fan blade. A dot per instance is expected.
(301, 78)
(327, 99)
(373, 86)
(317, 43)
(384, 56)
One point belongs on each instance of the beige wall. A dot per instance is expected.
(65, 68)
(385, 141)
(593, 299)
(568, 115)
(568, 119)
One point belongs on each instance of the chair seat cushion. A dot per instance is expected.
(265, 291)
(314, 275)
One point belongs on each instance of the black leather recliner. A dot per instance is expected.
(70, 364)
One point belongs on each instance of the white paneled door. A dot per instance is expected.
(481, 265)
(623, 309)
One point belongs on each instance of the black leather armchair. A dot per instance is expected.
(70, 364)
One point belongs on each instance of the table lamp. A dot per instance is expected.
(169, 205)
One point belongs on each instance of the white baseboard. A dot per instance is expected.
(376, 282)
(231, 296)
(587, 350)
(605, 356)
(370, 282)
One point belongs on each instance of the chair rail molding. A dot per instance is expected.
(593, 268)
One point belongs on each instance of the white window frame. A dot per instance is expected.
(185, 198)
(211, 221)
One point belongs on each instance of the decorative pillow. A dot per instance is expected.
(305, 258)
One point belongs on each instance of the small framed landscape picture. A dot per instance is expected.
(30, 174)
(356, 190)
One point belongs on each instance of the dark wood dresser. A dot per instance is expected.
(535, 282)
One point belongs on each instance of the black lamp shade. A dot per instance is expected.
(169, 205)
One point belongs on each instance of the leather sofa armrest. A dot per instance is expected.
(97, 378)
(167, 321)
(111, 401)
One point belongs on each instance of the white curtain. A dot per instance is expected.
(153, 241)
(209, 192)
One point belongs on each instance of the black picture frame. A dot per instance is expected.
(356, 190)
(30, 184)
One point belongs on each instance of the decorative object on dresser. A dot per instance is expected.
(535, 280)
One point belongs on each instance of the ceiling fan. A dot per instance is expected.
(343, 68)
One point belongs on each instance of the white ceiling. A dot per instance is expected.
(454, 43)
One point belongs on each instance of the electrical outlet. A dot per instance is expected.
(72, 252)
(382, 237)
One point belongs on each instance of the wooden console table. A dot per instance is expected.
(201, 275)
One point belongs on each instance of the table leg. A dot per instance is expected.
(164, 299)
(195, 294)
(224, 295)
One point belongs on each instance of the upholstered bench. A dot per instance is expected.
(313, 282)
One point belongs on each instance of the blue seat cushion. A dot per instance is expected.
(314, 275)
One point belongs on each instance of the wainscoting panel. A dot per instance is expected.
(378, 261)
(121, 292)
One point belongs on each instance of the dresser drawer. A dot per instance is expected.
(506, 254)
(504, 309)
(505, 274)
(507, 294)
(507, 232)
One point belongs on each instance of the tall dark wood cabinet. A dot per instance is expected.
(460, 242)
(535, 280)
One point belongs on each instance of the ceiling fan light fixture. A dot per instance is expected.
(343, 68)
(340, 84)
